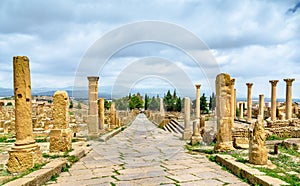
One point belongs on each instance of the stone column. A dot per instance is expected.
(288, 102)
(25, 152)
(258, 153)
(223, 110)
(187, 111)
(273, 99)
(196, 133)
(197, 101)
(232, 101)
(161, 107)
(241, 109)
(101, 113)
(235, 103)
(112, 116)
(249, 102)
(261, 105)
(61, 134)
(92, 120)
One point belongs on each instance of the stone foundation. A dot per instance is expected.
(60, 140)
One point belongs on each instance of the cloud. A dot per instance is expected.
(252, 40)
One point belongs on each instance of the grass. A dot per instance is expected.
(54, 177)
(73, 159)
(66, 168)
(274, 137)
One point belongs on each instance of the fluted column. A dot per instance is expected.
(273, 99)
(288, 105)
(249, 102)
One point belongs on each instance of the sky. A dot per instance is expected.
(253, 41)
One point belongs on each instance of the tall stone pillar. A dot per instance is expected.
(232, 101)
(198, 101)
(288, 102)
(61, 134)
(101, 113)
(223, 109)
(112, 116)
(187, 111)
(161, 107)
(273, 99)
(235, 103)
(241, 109)
(261, 105)
(25, 152)
(92, 120)
(249, 102)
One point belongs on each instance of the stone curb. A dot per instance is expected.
(111, 134)
(44, 174)
(253, 175)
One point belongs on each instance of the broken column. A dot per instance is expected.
(249, 102)
(187, 111)
(196, 138)
(288, 102)
(92, 120)
(197, 101)
(161, 107)
(61, 134)
(258, 153)
(273, 99)
(241, 109)
(223, 110)
(232, 100)
(112, 116)
(101, 113)
(25, 153)
(261, 106)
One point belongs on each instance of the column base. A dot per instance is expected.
(224, 146)
(60, 140)
(24, 157)
(186, 135)
(196, 139)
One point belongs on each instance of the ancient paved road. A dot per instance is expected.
(144, 155)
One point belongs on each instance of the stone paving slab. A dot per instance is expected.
(144, 155)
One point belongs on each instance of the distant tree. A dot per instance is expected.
(154, 103)
(122, 103)
(9, 104)
(212, 101)
(203, 104)
(178, 104)
(168, 101)
(107, 104)
(147, 102)
(78, 105)
(71, 104)
(135, 102)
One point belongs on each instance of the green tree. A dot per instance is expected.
(147, 102)
(178, 104)
(154, 104)
(135, 102)
(71, 104)
(169, 101)
(203, 104)
(122, 103)
(79, 105)
(107, 104)
(212, 101)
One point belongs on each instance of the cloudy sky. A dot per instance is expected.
(253, 41)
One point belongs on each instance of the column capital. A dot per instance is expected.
(93, 78)
(289, 81)
(249, 85)
(198, 85)
(274, 82)
(232, 80)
